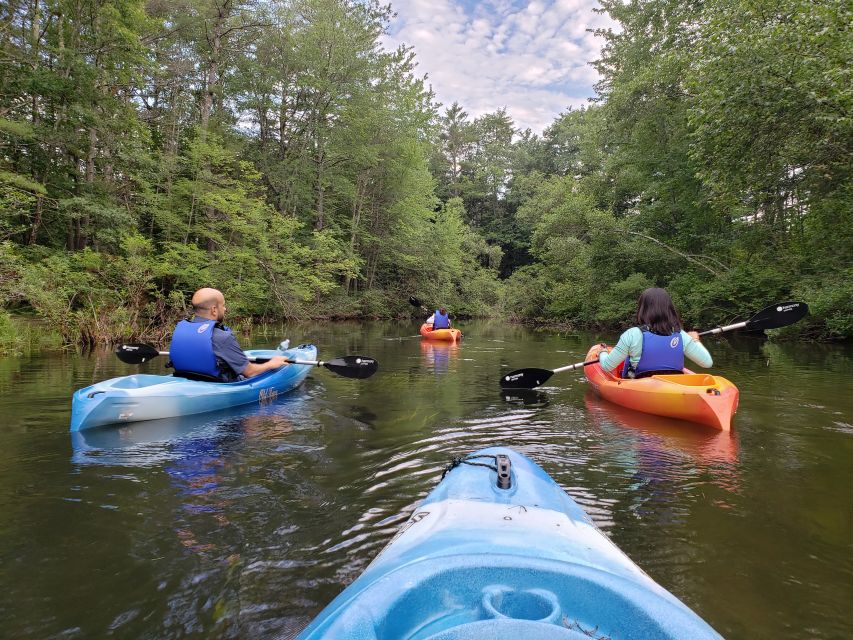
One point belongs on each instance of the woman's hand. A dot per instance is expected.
(694, 335)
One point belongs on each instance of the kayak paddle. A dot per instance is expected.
(531, 378)
(777, 315)
(346, 366)
(417, 303)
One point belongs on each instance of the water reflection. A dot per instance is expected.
(212, 501)
(525, 397)
(155, 442)
(704, 444)
(662, 444)
(437, 356)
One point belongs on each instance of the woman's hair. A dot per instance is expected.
(656, 311)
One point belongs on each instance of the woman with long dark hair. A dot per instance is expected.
(657, 344)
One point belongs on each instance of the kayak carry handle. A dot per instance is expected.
(504, 465)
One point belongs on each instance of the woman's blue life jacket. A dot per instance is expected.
(440, 321)
(660, 353)
(192, 347)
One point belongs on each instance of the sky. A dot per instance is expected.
(530, 57)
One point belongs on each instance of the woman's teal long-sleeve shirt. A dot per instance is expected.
(631, 345)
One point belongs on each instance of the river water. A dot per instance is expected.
(245, 524)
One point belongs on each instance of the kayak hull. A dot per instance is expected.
(695, 397)
(478, 561)
(141, 397)
(443, 335)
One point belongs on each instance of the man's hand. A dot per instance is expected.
(278, 361)
(253, 368)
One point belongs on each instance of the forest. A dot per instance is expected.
(277, 151)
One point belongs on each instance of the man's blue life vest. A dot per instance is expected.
(192, 348)
(440, 321)
(660, 353)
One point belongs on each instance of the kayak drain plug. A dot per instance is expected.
(504, 480)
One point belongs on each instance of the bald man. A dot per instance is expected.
(203, 348)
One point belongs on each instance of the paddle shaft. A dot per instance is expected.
(315, 363)
(575, 366)
(417, 303)
(729, 327)
(778, 315)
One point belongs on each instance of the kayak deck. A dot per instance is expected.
(696, 397)
(478, 561)
(141, 397)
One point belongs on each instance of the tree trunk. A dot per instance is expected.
(455, 170)
(211, 84)
(356, 217)
(321, 195)
(36, 220)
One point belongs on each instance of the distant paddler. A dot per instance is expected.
(439, 320)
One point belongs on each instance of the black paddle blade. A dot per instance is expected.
(415, 302)
(525, 378)
(136, 353)
(778, 315)
(353, 366)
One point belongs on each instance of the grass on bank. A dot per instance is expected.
(22, 336)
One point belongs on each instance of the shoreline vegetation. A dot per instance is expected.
(276, 151)
(23, 336)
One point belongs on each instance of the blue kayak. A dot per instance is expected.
(499, 550)
(151, 397)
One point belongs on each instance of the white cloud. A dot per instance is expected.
(531, 59)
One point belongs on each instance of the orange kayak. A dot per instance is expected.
(445, 335)
(696, 397)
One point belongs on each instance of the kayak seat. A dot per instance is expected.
(197, 377)
(690, 379)
(526, 629)
(658, 372)
(497, 595)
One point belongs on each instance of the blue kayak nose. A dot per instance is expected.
(499, 550)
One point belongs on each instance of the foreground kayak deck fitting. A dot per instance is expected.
(151, 397)
(499, 550)
(445, 335)
(695, 397)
